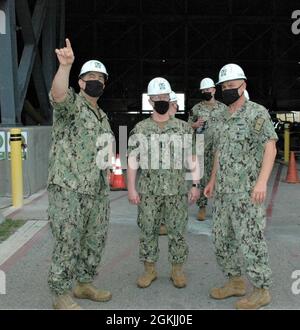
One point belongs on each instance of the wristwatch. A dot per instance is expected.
(197, 185)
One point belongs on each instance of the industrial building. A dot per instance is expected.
(182, 41)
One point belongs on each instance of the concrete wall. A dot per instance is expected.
(35, 167)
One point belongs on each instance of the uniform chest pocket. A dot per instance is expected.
(87, 120)
(240, 133)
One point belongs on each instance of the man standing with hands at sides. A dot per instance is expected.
(161, 190)
(245, 154)
(172, 112)
(78, 190)
(204, 118)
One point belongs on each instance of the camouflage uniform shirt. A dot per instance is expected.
(76, 127)
(212, 114)
(241, 142)
(162, 181)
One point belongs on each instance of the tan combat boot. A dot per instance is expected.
(236, 286)
(258, 298)
(65, 301)
(177, 276)
(162, 229)
(89, 291)
(201, 214)
(148, 276)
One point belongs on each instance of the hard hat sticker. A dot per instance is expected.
(223, 72)
(162, 86)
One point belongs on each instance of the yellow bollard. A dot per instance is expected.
(16, 167)
(286, 143)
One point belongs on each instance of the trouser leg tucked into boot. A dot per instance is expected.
(259, 297)
(148, 276)
(236, 286)
(89, 291)
(177, 276)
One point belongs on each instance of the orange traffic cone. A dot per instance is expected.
(112, 174)
(292, 173)
(118, 180)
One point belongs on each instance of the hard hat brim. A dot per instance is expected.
(201, 89)
(222, 81)
(83, 73)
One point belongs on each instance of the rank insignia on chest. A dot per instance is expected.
(259, 124)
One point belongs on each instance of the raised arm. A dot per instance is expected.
(60, 83)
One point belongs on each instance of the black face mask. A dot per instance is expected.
(207, 96)
(93, 88)
(161, 107)
(231, 95)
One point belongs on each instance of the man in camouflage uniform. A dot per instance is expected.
(161, 187)
(203, 118)
(172, 112)
(245, 155)
(78, 190)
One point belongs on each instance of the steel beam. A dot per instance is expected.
(205, 19)
(41, 88)
(8, 66)
(49, 43)
(31, 31)
(47, 19)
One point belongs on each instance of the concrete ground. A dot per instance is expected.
(26, 269)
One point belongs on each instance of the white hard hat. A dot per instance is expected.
(231, 72)
(173, 97)
(207, 83)
(158, 86)
(246, 94)
(95, 66)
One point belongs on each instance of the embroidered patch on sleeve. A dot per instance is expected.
(259, 124)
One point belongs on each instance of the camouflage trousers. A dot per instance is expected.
(238, 235)
(79, 225)
(208, 164)
(174, 210)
